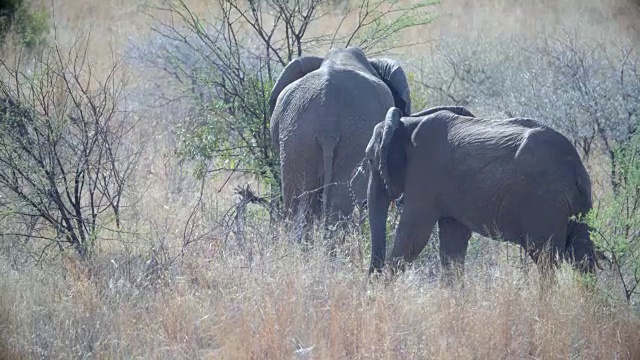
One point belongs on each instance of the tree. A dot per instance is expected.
(64, 164)
(227, 67)
(31, 26)
(616, 219)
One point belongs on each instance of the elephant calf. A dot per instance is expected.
(516, 180)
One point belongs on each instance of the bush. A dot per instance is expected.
(228, 71)
(617, 220)
(64, 164)
(31, 26)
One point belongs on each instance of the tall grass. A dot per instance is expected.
(284, 302)
(263, 296)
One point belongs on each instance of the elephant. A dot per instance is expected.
(362, 171)
(322, 113)
(515, 180)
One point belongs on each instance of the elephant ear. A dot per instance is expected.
(391, 125)
(458, 110)
(394, 77)
(295, 70)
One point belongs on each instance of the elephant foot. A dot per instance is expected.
(374, 270)
(452, 280)
(397, 266)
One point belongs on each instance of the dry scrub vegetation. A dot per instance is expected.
(169, 266)
(282, 302)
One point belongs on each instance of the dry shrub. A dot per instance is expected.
(266, 297)
(286, 302)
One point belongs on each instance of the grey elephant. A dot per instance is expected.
(514, 179)
(323, 112)
(362, 171)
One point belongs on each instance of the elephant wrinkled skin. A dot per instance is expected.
(515, 179)
(323, 112)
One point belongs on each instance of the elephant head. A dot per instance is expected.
(394, 77)
(295, 70)
(387, 157)
(387, 146)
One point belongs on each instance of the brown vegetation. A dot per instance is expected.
(175, 282)
(284, 303)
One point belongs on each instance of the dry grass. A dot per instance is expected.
(287, 303)
(267, 298)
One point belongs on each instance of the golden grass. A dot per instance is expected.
(286, 303)
(266, 298)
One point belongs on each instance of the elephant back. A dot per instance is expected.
(334, 104)
(351, 58)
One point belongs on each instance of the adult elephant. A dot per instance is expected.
(514, 179)
(323, 113)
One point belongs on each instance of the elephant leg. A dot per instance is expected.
(339, 199)
(327, 186)
(339, 205)
(299, 199)
(454, 239)
(545, 244)
(300, 190)
(412, 235)
(345, 189)
(335, 226)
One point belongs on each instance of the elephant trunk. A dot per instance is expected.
(378, 202)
